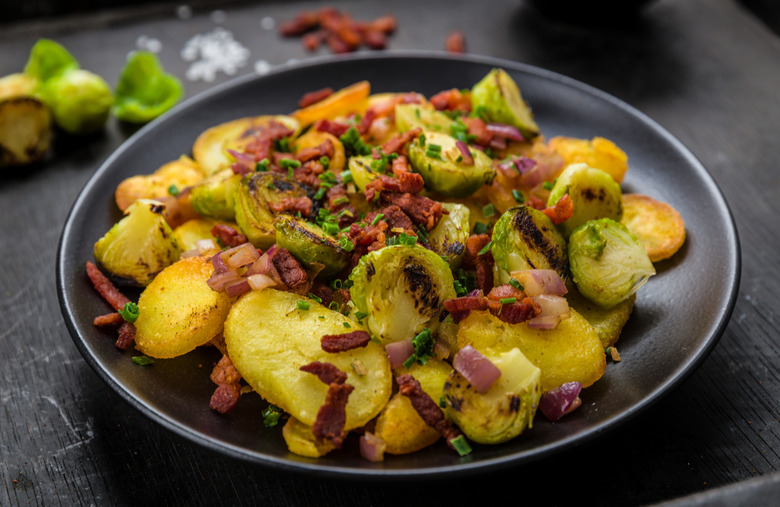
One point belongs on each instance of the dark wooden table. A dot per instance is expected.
(707, 70)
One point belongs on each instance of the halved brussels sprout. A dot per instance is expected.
(449, 236)
(526, 238)
(499, 96)
(253, 213)
(608, 263)
(210, 148)
(144, 90)
(310, 244)
(409, 116)
(25, 130)
(139, 246)
(215, 196)
(593, 192)
(437, 158)
(402, 289)
(360, 168)
(506, 409)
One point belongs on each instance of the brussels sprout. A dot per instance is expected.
(310, 244)
(17, 85)
(144, 90)
(139, 246)
(409, 116)
(362, 173)
(449, 236)
(437, 158)
(608, 264)
(499, 97)
(79, 100)
(505, 410)
(402, 289)
(25, 130)
(253, 213)
(49, 60)
(526, 238)
(593, 192)
(215, 196)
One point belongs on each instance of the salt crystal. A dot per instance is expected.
(268, 23)
(262, 67)
(150, 44)
(214, 52)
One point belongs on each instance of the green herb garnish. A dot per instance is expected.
(129, 312)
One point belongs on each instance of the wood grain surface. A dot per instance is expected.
(706, 70)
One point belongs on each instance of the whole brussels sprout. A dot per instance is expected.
(449, 236)
(253, 212)
(443, 167)
(526, 238)
(310, 244)
(401, 289)
(505, 410)
(409, 116)
(499, 97)
(80, 101)
(215, 196)
(608, 264)
(593, 192)
(139, 246)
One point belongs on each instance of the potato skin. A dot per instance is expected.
(178, 311)
(268, 339)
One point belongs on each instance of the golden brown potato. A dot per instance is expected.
(181, 173)
(657, 225)
(314, 138)
(25, 130)
(607, 323)
(598, 152)
(352, 99)
(178, 311)
(300, 440)
(571, 352)
(196, 229)
(210, 150)
(269, 338)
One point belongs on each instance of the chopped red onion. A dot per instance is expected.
(441, 350)
(398, 352)
(189, 253)
(372, 447)
(540, 281)
(204, 245)
(498, 143)
(219, 265)
(524, 165)
(546, 322)
(259, 281)
(505, 131)
(560, 400)
(237, 288)
(240, 255)
(244, 164)
(463, 148)
(476, 368)
(260, 267)
(553, 310)
(219, 281)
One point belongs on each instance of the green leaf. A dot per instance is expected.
(49, 60)
(144, 90)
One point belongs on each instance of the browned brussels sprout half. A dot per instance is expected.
(310, 244)
(499, 97)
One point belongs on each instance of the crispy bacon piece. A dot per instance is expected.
(477, 127)
(261, 146)
(331, 127)
(421, 210)
(398, 142)
(346, 341)
(513, 313)
(409, 182)
(126, 336)
(300, 24)
(332, 416)
(460, 307)
(308, 173)
(455, 42)
(109, 319)
(328, 373)
(341, 32)
(105, 288)
(292, 205)
(396, 219)
(228, 382)
(325, 148)
(375, 39)
(505, 291)
(365, 121)
(228, 236)
(535, 203)
(482, 264)
(562, 210)
(365, 236)
(314, 97)
(290, 271)
(428, 410)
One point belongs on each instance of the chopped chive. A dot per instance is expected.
(341, 200)
(548, 185)
(346, 177)
(461, 445)
(271, 415)
(325, 161)
(518, 195)
(377, 218)
(320, 194)
(315, 297)
(263, 165)
(334, 306)
(335, 284)
(488, 210)
(143, 360)
(508, 301)
(346, 243)
(514, 283)
(346, 324)
(422, 140)
(129, 312)
(173, 190)
(302, 305)
(480, 228)
(434, 147)
(486, 248)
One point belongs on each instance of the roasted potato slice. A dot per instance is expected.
(607, 323)
(570, 352)
(210, 148)
(196, 229)
(269, 338)
(349, 100)
(182, 172)
(178, 311)
(300, 440)
(598, 152)
(657, 225)
(25, 130)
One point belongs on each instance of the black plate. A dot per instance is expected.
(679, 315)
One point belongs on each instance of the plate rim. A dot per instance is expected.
(313, 468)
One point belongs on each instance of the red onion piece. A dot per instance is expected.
(561, 400)
(237, 288)
(259, 281)
(260, 267)
(189, 253)
(505, 131)
(240, 255)
(398, 352)
(540, 281)
(463, 148)
(523, 165)
(552, 305)
(204, 245)
(219, 265)
(372, 447)
(498, 143)
(219, 281)
(547, 322)
(476, 368)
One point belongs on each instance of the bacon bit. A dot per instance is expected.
(410, 182)
(228, 382)
(109, 319)
(324, 149)
(397, 143)
(228, 236)
(477, 127)
(535, 203)
(342, 33)
(366, 121)
(455, 42)
(562, 210)
(421, 210)
(300, 24)
(332, 416)
(451, 100)
(428, 410)
(290, 271)
(375, 39)
(292, 205)
(327, 373)
(505, 291)
(482, 264)
(347, 341)
(395, 219)
(371, 233)
(126, 336)
(461, 307)
(105, 288)
(314, 97)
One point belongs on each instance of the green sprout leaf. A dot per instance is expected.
(144, 90)
(49, 60)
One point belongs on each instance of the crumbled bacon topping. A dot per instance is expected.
(346, 341)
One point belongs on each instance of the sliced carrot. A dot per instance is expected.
(352, 99)
(657, 225)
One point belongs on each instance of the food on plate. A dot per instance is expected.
(144, 90)
(657, 225)
(597, 152)
(393, 268)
